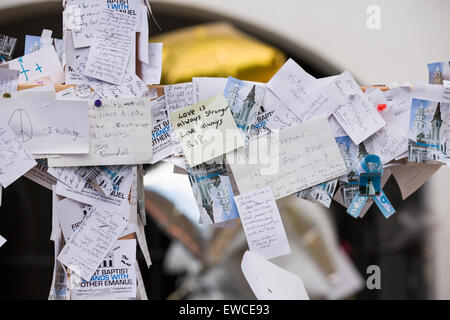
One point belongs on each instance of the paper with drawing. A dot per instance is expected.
(48, 125)
(15, 161)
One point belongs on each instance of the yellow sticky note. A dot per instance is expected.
(206, 130)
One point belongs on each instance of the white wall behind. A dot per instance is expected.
(411, 34)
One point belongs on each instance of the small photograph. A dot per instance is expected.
(321, 193)
(350, 189)
(245, 101)
(213, 192)
(352, 155)
(7, 46)
(370, 184)
(33, 44)
(438, 72)
(427, 134)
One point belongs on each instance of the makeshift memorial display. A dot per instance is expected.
(241, 144)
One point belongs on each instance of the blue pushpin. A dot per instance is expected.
(98, 103)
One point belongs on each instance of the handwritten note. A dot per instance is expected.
(355, 113)
(48, 125)
(92, 240)
(262, 223)
(120, 133)
(291, 84)
(109, 54)
(150, 72)
(179, 96)
(132, 86)
(8, 80)
(296, 158)
(15, 161)
(319, 101)
(84, 15)
(390, 141)
(39, 67)
(282, 116)
(206, 130)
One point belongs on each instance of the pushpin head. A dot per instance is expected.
(97, 103)
(381, 107)
(7, 95)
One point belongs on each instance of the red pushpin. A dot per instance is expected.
(381, 107)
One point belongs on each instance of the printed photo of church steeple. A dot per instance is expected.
(213, 192)
(438, 72)
(427, 134)
(244, 100)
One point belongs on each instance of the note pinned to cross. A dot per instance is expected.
(206, 130)
(262, 223)
(39, 67)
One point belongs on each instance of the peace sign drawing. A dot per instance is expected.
(20, 123)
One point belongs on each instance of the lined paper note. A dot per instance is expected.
(262, 223)
(109, 54)
(298, 157)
